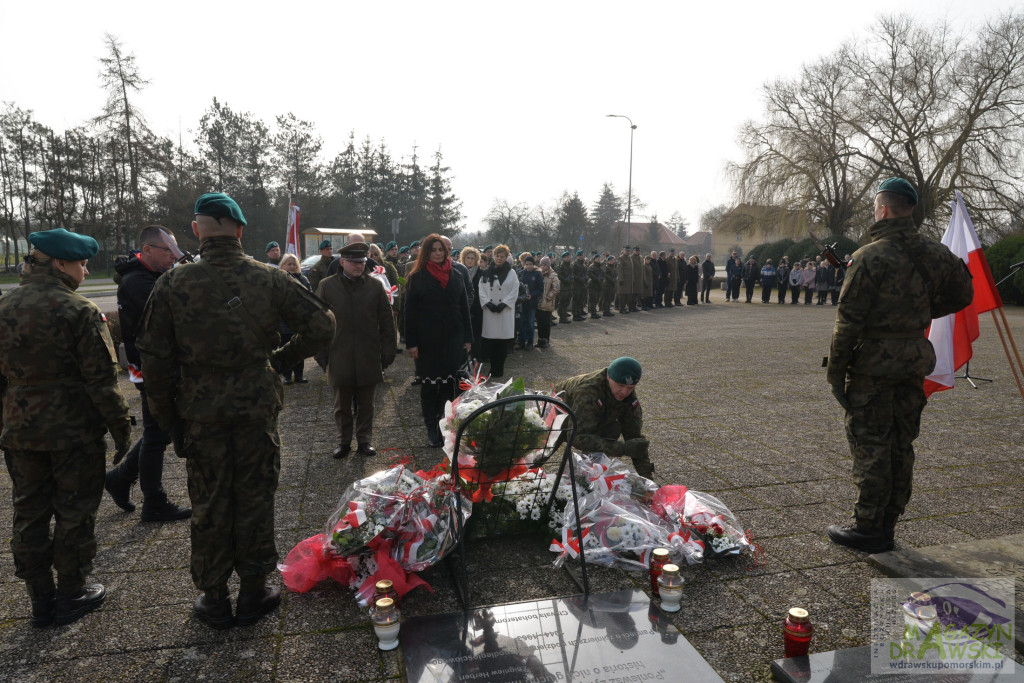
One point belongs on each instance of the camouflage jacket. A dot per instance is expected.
(579, 274)
(884, 306)
(595, 274)
(597, 411)
(225, 374)
(565, 274)
(319, 271)
(57, 355)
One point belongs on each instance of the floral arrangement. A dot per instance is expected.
(624, 516)
(500, 438)
(388, 525)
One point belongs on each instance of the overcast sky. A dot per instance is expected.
(514, 94)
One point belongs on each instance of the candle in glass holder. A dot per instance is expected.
(797, 632)
(384, 589)
(387, 620)
(659, 558)
(670, 588)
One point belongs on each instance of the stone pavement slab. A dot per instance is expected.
(854, 666)
(995, 557)
(735, 403)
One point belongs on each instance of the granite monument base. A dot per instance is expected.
(600, 638)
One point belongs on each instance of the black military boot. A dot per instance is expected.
(120, 490)
(252, 606)
(70, 608)
(433, 434)
(863, 538)
(43, 611)
(156, 508)
(214, 612)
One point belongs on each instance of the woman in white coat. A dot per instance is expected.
(498, 290)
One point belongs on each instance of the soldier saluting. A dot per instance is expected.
(209, 334)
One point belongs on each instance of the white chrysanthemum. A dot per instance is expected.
(614, 534)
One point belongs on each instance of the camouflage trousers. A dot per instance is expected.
(607, 298)
(65, 486)
(881, 425)
(579, 300)
(594, 298)
(233, 471)
(564, 301)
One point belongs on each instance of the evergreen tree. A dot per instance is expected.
(606, 212)
(573, 222)
(444, 210)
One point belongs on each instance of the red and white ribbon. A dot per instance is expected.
(569, 545)
(356, 514)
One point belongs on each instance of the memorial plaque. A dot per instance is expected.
(601, 638)
(853, 665)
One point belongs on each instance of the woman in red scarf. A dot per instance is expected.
(438, 332)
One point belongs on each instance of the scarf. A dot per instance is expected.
(441, 272)
(500, 272)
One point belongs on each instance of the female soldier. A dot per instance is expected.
(59, 361)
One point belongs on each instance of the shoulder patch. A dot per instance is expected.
(599, 403)
(636, 402)
(103, 316)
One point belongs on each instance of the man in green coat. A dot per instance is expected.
(880, 356)
(579, 288)
(363, 346)
(211, 363)
(625, 281)
(606, 408)
(611, 275)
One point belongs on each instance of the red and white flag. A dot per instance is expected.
(953, 335)
(293, 231)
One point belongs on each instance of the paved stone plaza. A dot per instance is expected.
(735, 403)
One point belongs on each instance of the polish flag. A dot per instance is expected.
(293, 231)
(953, 335)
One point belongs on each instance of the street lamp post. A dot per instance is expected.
(629, 196)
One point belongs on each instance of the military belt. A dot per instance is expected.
(16, 382)
(916, 334)
(200, 370)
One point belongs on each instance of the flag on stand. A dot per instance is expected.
(953, 335)
(293, 231)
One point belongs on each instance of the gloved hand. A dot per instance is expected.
(637, 448)
(839, 391)
(276, 362)
(387, 360)
(492, 307)
(502, 307)
(121, 432)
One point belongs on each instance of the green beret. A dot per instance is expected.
(326, 244)
(67, 246)
(565, 253)
(414, 244)
(391, 245)
(579, 252)
(625, 370)
(636, 248)
(626, 247)
(218, 205)
(551, 254)
(489, 247)
(402, 250)
(354, 251)
(898, 186)
(271, 245)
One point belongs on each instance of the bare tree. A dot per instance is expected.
(508, 223)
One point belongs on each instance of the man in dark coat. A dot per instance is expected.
(145, 461)
(595, 280)
(579, 288)
(362, 348)
(751, 274)
(565, 293)
(708, 274)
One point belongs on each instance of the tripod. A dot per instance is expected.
(967, 366)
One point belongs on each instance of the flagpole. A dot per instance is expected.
(1016, 353)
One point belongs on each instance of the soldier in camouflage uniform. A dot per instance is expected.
(610, 278)
(637, 288)
(208, 337)
(606, 407)
(595, 279)
(880, 356)
(565, 294)
(322, 267)
(625, 280)
(579, 288)
(62, 397)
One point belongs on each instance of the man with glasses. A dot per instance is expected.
(145, 461)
